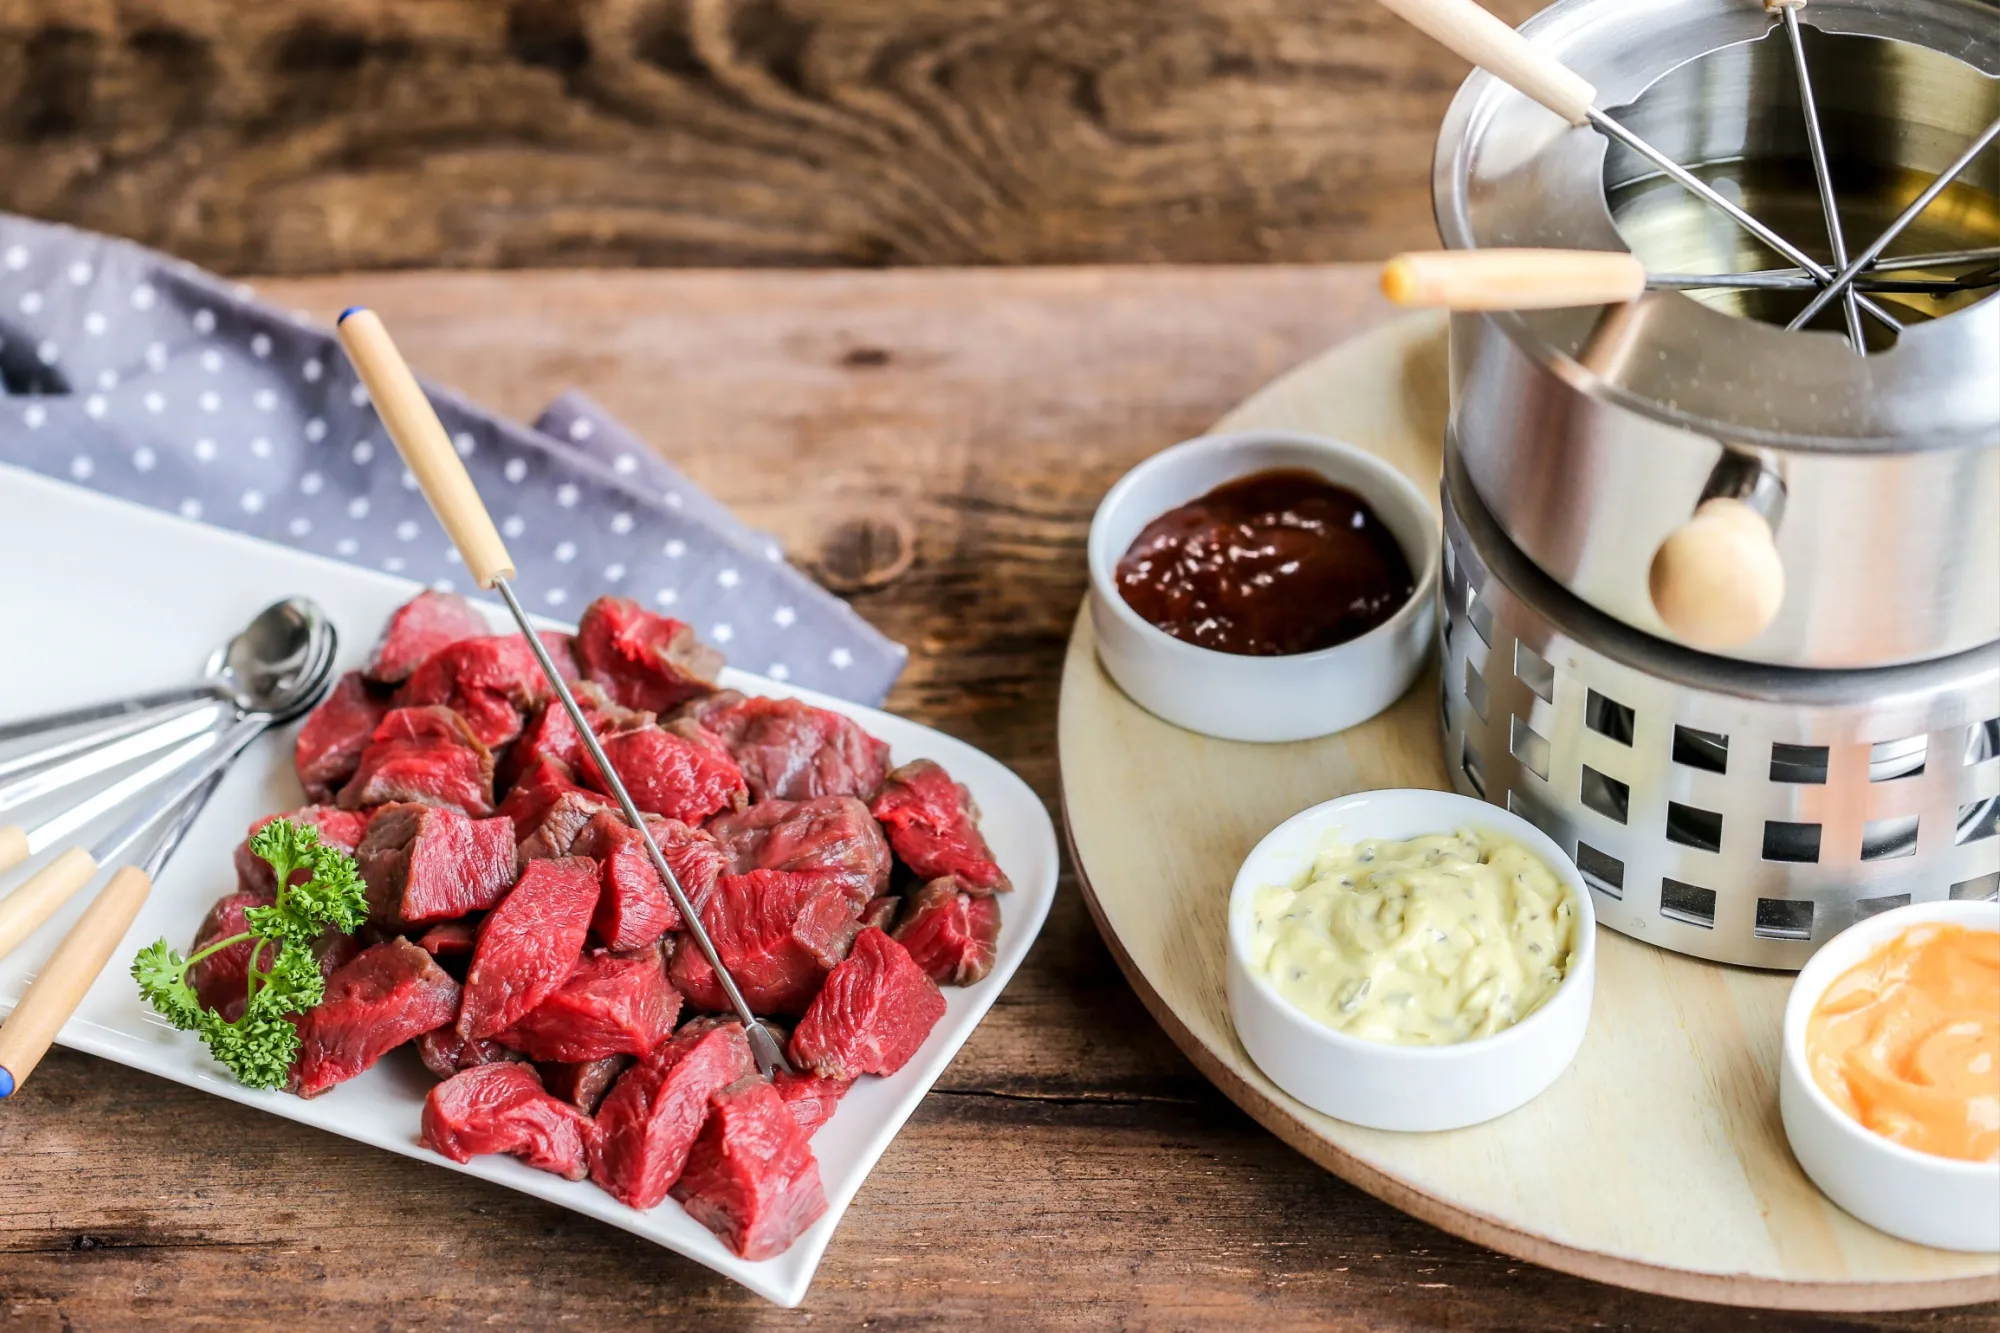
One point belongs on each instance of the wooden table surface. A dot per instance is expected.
(1071, 1170)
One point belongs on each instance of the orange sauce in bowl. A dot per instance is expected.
(1907, 1041)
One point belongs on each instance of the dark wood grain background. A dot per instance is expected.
(300, 136)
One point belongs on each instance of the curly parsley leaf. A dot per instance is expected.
(284, 977)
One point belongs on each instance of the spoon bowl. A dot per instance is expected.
(280, 661)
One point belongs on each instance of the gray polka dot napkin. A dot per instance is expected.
(143, 377)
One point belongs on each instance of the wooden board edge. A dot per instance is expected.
(1742, 1290)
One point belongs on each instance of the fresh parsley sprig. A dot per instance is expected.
(259, 1045)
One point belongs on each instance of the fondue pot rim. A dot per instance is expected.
(1807, 366)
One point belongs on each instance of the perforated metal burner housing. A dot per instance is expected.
(1739, 814)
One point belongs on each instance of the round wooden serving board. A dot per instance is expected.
(1657, 1161)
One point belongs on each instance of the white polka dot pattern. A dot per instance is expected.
(140, 376)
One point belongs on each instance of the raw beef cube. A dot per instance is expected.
(223, 977)
(643, 660)
(425, 863)
(331, 741)
(751, 1177)
(777, 932)
(451, 943)
(679, 771)
(830, 833)
(501, 1108)
(649, 1120)
(561, 649)
(555, 834)
(388, 994)
(635, 908)
(550, 734)
(425, 755)
(700, 710)
(491, 682)
(609, 1006)
(934, 827)
(874, 1012)
(336, 828)
(425, 625)
(791, 751)
(812, 1099)
(953, 935)
(540, 787)
(529, 944)
(880, 912)
(584, 1085)
(445, 1053)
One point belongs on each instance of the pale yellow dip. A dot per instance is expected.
(1436, 940)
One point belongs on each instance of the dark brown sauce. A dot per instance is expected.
(1267, 565)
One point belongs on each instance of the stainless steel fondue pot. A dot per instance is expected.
(1739, 796)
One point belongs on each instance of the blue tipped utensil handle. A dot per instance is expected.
(59, 987)
(413, 424)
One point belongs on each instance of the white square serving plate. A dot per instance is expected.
(103, 599)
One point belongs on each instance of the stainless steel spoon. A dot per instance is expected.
(282, 657)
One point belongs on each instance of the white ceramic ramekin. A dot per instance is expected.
(1402, 1087)
(1918, 1196)
(1242, 698)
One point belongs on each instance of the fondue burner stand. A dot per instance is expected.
(1739, 797)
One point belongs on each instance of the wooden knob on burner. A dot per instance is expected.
(1717, 580)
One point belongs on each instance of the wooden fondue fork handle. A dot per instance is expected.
(24, 910)
(13, 847)
(1513, 279)
(59, 987)
(1489, 43)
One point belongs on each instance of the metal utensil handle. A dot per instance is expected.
(413, 424)
(1512, 279)
(208, 768)
(99, 803)
(117, 708)
(1484, 39)
(113, 753)
(419, 437)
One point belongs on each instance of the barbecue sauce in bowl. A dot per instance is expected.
(1268, 565)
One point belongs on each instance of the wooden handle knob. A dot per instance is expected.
(413, 424)
(59, 987)
(13, 847)
(1489, 43)
(23, 911)
(1717, 581)
(1512, 279)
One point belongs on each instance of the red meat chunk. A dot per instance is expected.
(751, 1177)
(561, 824)
(953, 935)
(334, 735)
(934, 827)
(223, 977)
(562, 651)
(643, 660)
(791, 751)
(528, 945)
(835, 834)
(777, 932)
(386, 995)
(649, 1120)
(635, 908)
(880, 912)
(609, 1006)
(550, 734)
(491, 682)
(679, 771)
(584, 1085)
(501, 1108)
(874, 1012)
(812, 1099)
(336, 827)
(450, 941)
(425, 863)
(541, 788)
(420, 628)
(445, 1053)
(427, 756)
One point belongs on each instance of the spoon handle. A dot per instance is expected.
(60, 986)
(419, 435)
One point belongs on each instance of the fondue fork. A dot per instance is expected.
(1788, 13)
(413, 424)
(1478, 36)
(1546, 279)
